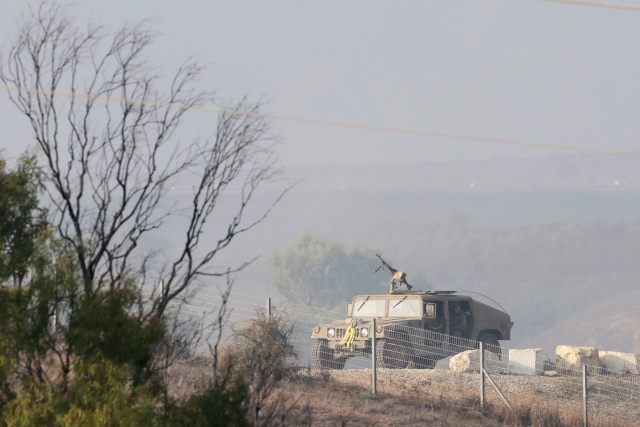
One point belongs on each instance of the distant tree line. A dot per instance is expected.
(321, 273)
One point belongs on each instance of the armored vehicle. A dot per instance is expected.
(413, 328)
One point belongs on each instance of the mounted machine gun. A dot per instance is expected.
(396, 276)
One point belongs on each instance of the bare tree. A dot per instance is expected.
(109, 139)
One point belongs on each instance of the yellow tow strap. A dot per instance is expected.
(349, 337)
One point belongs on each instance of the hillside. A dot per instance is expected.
(558, 172)
(561, 259)
(611, 323)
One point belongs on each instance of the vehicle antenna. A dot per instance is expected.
(478, 293)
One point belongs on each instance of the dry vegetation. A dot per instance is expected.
(281, 394)
(409, 397)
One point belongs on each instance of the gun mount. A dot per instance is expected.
(396, 276)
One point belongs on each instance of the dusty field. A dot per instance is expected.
(553, 391)
(424, 397)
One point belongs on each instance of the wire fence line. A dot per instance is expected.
(407, 347)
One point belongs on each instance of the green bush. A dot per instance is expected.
(99, 395)
(104, 325)
(224, 404)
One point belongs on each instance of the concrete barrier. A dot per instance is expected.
(527, 361)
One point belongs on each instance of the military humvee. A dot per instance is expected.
(413, 328)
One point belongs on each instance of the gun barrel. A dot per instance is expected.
(386, 264)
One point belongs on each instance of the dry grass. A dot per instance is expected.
(335, 403)
(331, 403)
(322, 398)
(186, 377)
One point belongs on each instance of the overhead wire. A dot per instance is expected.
(369, 126)
(336, 123)
(597, 4)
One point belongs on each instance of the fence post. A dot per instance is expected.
(373, 358)
(482, 374)
(268, 308)
(584, 396)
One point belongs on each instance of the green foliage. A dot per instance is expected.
(50, 313)
(74, 358)
(224, 404)
(321, 273)
(22, 220)
(99, 396)
(80, 345)
(47, 323)
(103, 325)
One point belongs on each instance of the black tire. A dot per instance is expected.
(491, 343)
(390, 355)
(322, 356)
(338, 363)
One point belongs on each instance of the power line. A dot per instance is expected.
(597, 4)
(448, 135)
(339, 123)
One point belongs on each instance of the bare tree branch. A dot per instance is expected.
(110, 139)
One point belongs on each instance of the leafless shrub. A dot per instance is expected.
(261, 351)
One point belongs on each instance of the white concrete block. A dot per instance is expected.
(526, 362)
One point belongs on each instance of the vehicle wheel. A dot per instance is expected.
(322, 356)
(491, 343)
(390, 355)
(339, 362)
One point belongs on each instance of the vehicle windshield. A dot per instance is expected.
(366, 307)
(403, 307)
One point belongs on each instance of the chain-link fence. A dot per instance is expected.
(416, 348)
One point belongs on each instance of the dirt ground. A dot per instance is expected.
(416, 397)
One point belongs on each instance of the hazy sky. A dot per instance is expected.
(526, 70)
